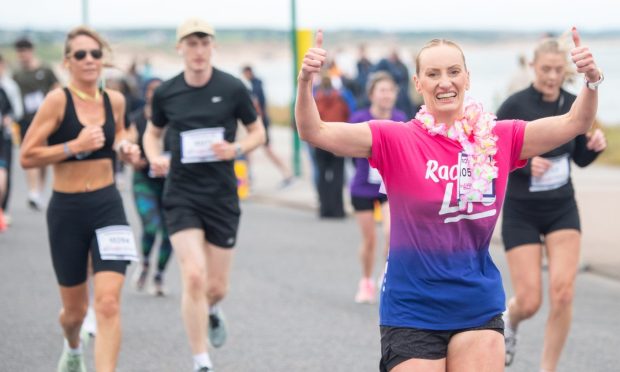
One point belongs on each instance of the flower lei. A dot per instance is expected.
(474, 131)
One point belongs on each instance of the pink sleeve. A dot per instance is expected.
(512, 133)
(376, 156)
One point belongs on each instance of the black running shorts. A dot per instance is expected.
(366, 204)
(401, 344)
(72, 219)
(524, 221)
(219, 219)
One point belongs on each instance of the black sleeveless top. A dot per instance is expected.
(70, 128)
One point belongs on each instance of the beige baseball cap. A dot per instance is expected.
(192, 26)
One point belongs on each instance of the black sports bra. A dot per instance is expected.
(70, 128)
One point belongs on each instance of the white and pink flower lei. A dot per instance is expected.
(474, 131)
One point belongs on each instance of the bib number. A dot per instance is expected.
(555, 177)
(196, 145)
(32, 101)
(465, 181)
(116, 243)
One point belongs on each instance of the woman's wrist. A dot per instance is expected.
(67, 149)
(121, 143)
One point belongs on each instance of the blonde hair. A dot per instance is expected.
(85, 31)
(434, 43)
(549, 45)
(376, 78)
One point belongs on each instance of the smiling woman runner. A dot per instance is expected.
(445, 173)
(77, 129)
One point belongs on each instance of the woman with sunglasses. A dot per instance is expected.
(77, 130)
(445, 173)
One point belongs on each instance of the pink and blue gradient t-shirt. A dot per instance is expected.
(439, 273)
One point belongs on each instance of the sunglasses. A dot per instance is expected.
(81, 54)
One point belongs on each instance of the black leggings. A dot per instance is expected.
(147, 194)
(71, 222)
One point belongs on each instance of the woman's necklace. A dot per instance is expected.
(474, 132)
(83, 95)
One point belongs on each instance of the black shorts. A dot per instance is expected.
(401, 344)
(219, 219)
(72, 219)
(366, 204)
(524, 221)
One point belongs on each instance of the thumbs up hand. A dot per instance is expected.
(313, 59)
(583, 59)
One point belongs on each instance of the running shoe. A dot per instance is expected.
(141, 279)
(89, 326)
(3, 224)
(365, 292)
(71, 362)
(34, 202)
(205, 369)
(158, 285)
(217, 328)
(510, 338)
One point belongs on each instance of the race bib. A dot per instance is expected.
(373, 176)
(465, 181)
(555, 177)
(32, 101)
(196, 145)
(116, 243)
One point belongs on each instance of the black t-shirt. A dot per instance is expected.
(34, 85)
(528, 105)
(218, 104)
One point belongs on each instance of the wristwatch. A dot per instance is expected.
(594, 85)
(238, 150)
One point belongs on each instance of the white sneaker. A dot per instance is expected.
(510, 339)
(71, 362)
(89, 326)
(140, 276)
(35, 202)
(217, 328)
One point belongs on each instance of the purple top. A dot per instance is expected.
(366, 182)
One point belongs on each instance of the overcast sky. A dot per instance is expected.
(388, 15)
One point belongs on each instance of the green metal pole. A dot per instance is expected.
(296, 141)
